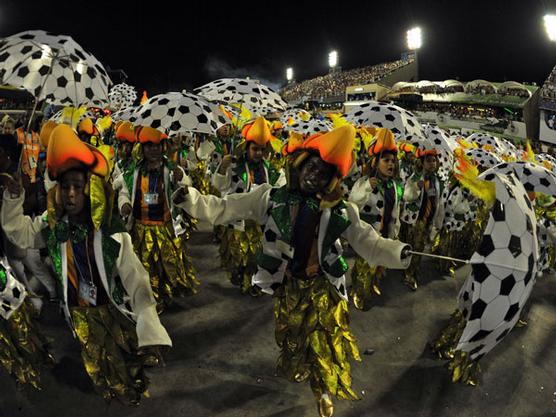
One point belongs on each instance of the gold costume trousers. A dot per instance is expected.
(109, 351)
(365, 282)
(238, 253)
(165, 258)
(23, 347)
(312, 331)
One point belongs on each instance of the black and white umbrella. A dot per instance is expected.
(122, 96)
(243, 91)
(535, 178)
(309, 127)
(503, 270)
(175, 113)
(53, 68)
(401, 122)
(484, 158)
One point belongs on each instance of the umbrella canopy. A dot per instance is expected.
(309, 127)
(503, 270)
(243, 91)
(547, 161)
(402, 123)
(126, 114)
(53, 68)
(293, 116)
(489, 142)
(534, 178)
(122, 96)
(445, 146)
(483, 158)
(175, 113)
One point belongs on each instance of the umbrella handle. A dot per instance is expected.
(447, 258)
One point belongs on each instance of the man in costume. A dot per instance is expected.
(159, 233)
(423, 208)
(105, 291)
(378, 196)
(241, 241)
(301, 259)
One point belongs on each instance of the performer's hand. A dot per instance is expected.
(405, 253)
(373, 181)
(226, 162)
(179, 195)
(178, 174)
(126, 210)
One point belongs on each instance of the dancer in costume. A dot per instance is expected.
(106, 296)
(241, 241)
(377, 195)
(301, 260)
(423, 208)
(159, 233)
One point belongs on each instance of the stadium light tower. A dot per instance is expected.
(550, 26)
(414, 38)
(289, 74)
(333, 59)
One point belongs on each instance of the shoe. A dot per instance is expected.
(326, 407)
(410, 281)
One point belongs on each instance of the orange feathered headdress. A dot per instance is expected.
(421, 153)
(294, 142)
(383, 141)
(257, 132)
(46, 131)
(147, 134)
(407, 147)
(126, 132)
(334, 147)
(87, 126)
(67, 151)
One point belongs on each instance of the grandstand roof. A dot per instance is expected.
(512, 85)
(451, 83)
(480, 82)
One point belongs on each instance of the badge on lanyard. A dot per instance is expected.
(32, 162)
(88, 293)
(150, 198)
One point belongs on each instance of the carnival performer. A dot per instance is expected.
(377, 195)
(301, 260)
(158, 232)
(106, 296)
(241, 241)
(423, 208)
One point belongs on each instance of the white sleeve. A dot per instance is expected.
(368, 244)
(240, 206)
(360, 192)
(21, 230)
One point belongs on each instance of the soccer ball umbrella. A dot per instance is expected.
(445, 146)
(534, 178)
(122, 96)
(309, 127)
(402, 123)
(293, 116)
(53, 68)
(488, 142)
(175, 113)
(242, 91)
(484, 158)
(503, 270)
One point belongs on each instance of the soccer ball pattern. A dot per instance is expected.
(241, 90)
(401, 122)
(175, 113)
(53, 68)
(294, 116)
(310, 127)
(59, 118)
(547, 161)
(483, 158)
(545, 244)
(461, 208)
(534, 178)
(503, 269)
(122, 96)
(13, 294)
(126, 114)
(491, 143)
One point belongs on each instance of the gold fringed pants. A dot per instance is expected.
(312, 331)
(201, 180)
(461, 367)
(417, 238)
(165, 258)
(109, 351)
(365, 282)
(238, 253)
(23, 347)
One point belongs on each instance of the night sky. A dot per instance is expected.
(164, 47)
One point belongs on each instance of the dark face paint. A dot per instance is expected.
(73, 184)
(315, 175)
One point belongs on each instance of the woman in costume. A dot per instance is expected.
(159, 233)
(301, 259)
(241, 241)
(106, 296)
(377, 195)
